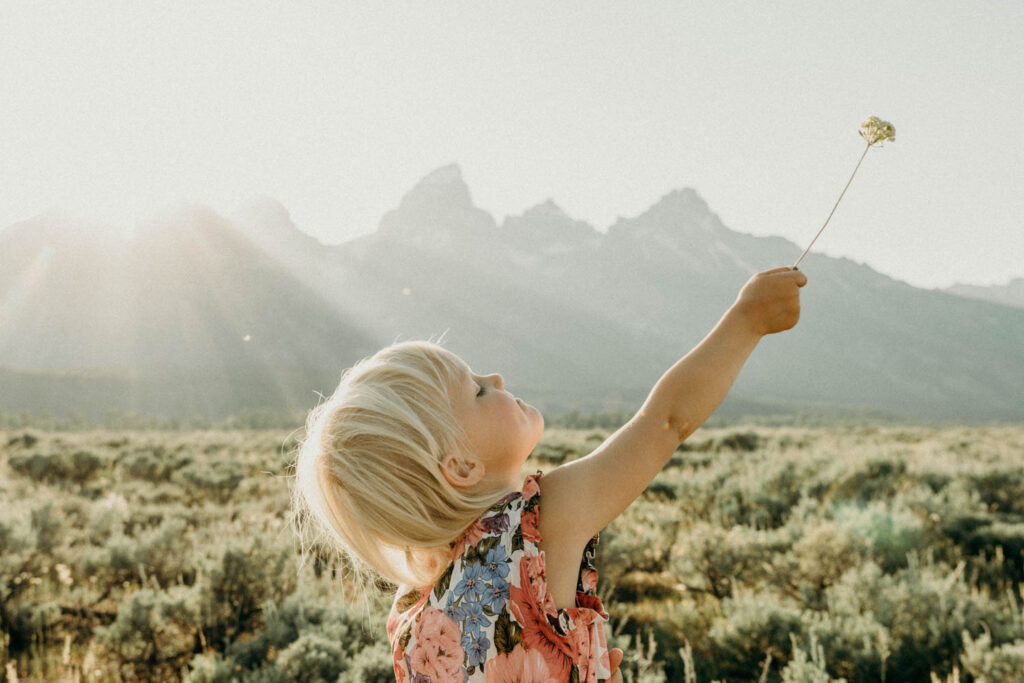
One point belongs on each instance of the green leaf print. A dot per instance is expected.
(406, 635)
(507, 633)
(574, 674)
(407, 601)
(478, 553)
(441, 587)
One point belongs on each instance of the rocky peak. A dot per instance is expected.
(680, 213)
(683, 207)
(437, 209)
(546, 225)
(1010, 294)
(264, 209)
(442, 187)
(269, 224)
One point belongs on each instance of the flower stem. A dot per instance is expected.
(833, 208)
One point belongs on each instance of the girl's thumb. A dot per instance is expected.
(615, 658)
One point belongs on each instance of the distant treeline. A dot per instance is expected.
(268, 419)
(136, 421)
(571, 419)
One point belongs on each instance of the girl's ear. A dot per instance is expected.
(462, 472)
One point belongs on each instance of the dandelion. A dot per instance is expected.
(873, 130)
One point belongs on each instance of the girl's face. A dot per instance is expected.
(502, 429)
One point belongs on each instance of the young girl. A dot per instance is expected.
(411, 469)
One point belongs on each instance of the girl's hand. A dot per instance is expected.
(770, 301)
(615, 657)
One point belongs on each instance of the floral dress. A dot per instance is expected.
(490, 616)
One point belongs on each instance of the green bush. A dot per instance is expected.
(160, 553)
(885, 553)
(371, 665)
(753, 625)
(32, 623)
(925, 609)
(1002, 664)
(876, 478)
(233, 586)
(1001, 489)
(211, 668)
(714, 560)
(804, 668)
(77, 467)
(48, 526)
(313, 657)
(212, 480)
(743, 442)
(337, 639)
(155, 631)
(891, 531)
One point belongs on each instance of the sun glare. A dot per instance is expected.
(121, 216)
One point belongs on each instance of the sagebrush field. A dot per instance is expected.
(759, 553)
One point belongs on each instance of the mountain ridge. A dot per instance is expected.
(573, 317)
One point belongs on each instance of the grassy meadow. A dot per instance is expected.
(856, 552)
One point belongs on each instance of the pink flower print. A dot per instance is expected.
(532, 580)
(589, 647)
(470, 536)
(530, 488)
(530, 605)
(528, 523)
(437, 652)
(398, 658)
(591, 602)
(519, 666)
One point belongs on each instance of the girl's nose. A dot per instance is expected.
(498, 381)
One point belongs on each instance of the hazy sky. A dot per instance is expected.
(338, 108)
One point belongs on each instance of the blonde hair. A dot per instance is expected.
(368, 477)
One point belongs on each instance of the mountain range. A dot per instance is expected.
(1010, 294)
(195, 313)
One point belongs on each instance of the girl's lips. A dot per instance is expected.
(521, 406)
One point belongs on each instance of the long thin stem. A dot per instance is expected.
(833, 208)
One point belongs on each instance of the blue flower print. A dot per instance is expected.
(472, 618)
(496, 564)
(475, 649)
(495, 595)
(472, 582)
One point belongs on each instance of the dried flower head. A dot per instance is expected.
(876, 130)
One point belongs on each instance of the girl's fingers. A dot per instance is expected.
(789, 271)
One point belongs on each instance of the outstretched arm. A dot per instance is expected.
(582, 497)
